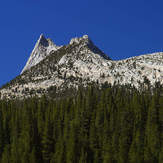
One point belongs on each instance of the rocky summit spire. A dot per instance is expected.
(42, 41)
(42, 49)
(77, 40)
(86, 41)
(44, 46)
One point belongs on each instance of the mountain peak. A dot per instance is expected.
(77, 64)
(44, 47)
(86, 41)
(42, 41)
(77, 40)
(85, 36)
(41, 50)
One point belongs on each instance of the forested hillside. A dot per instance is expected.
(116, 124)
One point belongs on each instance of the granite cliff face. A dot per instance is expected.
(80, 63)
(41, 50)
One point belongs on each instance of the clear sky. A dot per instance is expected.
(120, 28)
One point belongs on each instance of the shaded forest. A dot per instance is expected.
(116, 124)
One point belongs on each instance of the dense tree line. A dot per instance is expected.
(113, 125)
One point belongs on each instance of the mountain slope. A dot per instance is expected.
(79, 63)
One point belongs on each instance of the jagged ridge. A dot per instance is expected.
(81, 63)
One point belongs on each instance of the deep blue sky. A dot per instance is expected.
(120, 28)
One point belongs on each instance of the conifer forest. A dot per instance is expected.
(115, 124)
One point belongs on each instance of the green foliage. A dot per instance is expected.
(112, 125)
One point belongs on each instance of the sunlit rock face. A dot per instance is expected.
(41, 50)
(80, 63)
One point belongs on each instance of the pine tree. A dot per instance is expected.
(32, 157)
(152, 142)
(6, 155)
(71, 146)
(47, 141)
